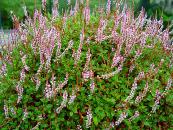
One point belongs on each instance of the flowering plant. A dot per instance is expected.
(83, 70)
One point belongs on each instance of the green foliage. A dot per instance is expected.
(106, 102)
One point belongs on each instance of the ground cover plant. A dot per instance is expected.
(105, 70)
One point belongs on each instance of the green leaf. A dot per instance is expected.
(71, 113)
(95, 119)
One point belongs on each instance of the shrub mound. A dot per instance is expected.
(102, 70)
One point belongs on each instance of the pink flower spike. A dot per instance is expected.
(108, 7)
(116, 60)
(86, 14)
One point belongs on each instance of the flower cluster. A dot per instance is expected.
(38, 123)
(168, 86)
(53, 81)
(121, 118)
(55, 9)
(88, 58)
(37, 81)
(6, 110)
(160, 95)
(132, 92)
(157, 101)
(86, 13)
(25, 114)
(108, 7)
(70, 44)
(132, 67)
(55, 47)
(13, 111)
(24, 63)
(87, 74)
(109, 75)
(23, 33)
(19, 90)
(100, 35)
(58, 44)
(62, 84)
(72, 98)
(134, 116)
(76, 7)
(63, 103)
(142, 94)
(140, 76)
(79, 127)
(89, 118)
(137, 55)
(64, 19)
(3, 69)
(49, 93)
(22, 75)
(36, 127)
(116, 60)
(78, 54)
(92, 86)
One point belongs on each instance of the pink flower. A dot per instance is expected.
(22, 75)
(76, 7)
(3, 69)
(88, 58)
(59, 43)
(111, 74)
(132, 92)
(157, 101)
(6, 110)
(48, 91)
(165, 36)
(62, 84)
(131, 68)
(140, 76)
(87, 74)
(55, 9)
(168, 86)
(25, 114)
(108, 7)
(116, 60)
(138, 53)
(142, 94)
(102, 25)
(140, 21)
(134, 116)
(92, 86)
(13, 110)
(78, 54)
(89, 118)
(63, 103)
(86, 14)
(24, 63)
(19, 90)
(121, 118)
(72, 97)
